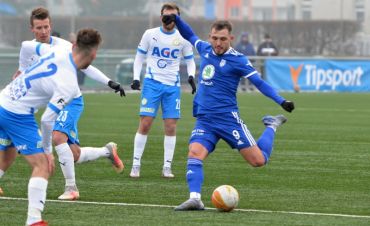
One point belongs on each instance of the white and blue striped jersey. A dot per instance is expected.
(28, 56)
(51, 82)
(164, 51)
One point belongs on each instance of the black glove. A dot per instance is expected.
(135, 85)
(192, 84)
(288, 105)
(167, 19)
(117, 87)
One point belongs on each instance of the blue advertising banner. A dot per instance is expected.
(318, 75)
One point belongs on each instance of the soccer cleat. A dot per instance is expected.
(167, 172)
(114, 158)
(70, 193)
(190, 204)
(274, 121)
(135, 172)
(40, 223)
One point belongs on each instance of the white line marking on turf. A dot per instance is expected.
(169, 206)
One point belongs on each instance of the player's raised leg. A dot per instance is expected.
(258, 155)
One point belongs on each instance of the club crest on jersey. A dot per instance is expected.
(144, 101)
(222, 63)
(176, 42)
(208, 72)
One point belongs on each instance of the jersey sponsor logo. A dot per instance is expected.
(165, 52)
(208, 72)
(161, 63)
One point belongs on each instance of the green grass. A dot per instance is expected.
(320, 164)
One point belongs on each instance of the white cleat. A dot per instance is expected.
(190, 204)
(114, 158)
(167, 172)
(71, 193)
(274, 121)
(135, 172)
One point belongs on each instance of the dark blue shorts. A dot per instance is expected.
(210, 128)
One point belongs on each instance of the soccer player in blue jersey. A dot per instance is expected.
(52, 83)
(163, 47)
(216, 109)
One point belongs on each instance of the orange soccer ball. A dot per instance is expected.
(225, 198)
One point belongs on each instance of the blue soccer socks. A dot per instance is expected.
(265, 142)
(194, 175)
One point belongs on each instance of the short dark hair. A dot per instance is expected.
(222, 24)
(88, 39)
(170, 6)
(39, 14)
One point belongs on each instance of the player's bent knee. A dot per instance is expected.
(253, 156)
(257, 163)
(197, 151)
(59, 138)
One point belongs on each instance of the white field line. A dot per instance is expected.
(168, 206)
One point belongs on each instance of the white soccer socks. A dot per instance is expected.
(90, 154)
(36, 199)
(139, 146)
(169, 150)
(66, 162)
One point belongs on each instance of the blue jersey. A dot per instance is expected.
(219, 79)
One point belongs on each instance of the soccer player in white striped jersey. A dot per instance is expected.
(65, 129)
(52, 83)
(163, 47)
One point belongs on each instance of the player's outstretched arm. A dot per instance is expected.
(117, 88)
(288, 105)
(95, 74)
(185, 30)
(268, 91)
